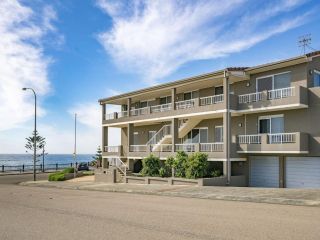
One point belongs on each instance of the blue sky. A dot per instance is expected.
(75, 52)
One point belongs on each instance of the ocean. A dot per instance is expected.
(27, 159)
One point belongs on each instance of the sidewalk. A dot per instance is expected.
(299, 197)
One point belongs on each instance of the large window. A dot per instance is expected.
(135, 138)
(218, 90)
(316, 78)
(277, 81)
(271, 124)
(196, 135)
(218, 133)
(190, 95)
(165, 100)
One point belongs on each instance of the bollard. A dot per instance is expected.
(23, 168)
(56, 166)
(2, 168)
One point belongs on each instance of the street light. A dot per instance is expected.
(35, 132)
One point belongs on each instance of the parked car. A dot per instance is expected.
(83, 166)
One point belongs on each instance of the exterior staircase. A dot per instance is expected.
(186, 126)
(122, 168)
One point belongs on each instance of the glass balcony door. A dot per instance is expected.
(271, 124)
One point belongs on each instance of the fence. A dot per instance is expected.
(39, 168)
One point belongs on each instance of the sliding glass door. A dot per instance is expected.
(271, 124)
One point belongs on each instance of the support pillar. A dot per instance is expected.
(129, 106)
(227, 125)
(173, 98)
(174, 133)
(105, 133)
(224, 170)
(130, 135)
(103, 106)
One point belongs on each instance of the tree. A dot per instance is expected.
(40, 146)
(97, 158)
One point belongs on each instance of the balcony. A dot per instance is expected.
(274, 143)
(284, 98)
(191, 106)
(112, 151)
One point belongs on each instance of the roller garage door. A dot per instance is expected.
(264, 171)
(302, 172)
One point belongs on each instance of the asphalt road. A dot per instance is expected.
(47, 213)
(17, 178)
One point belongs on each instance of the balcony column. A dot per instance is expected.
(103, 107)
(130, 135)
(227, 126)
(104, 137)
(173, 98)
(224, 169)
(129, 106)
(174, 132)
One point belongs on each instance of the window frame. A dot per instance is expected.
(315, 71)
(269, 117)
(215, 127)
(198, 128)
(272, 76)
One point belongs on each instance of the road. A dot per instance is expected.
(47, 213)
(17, 178)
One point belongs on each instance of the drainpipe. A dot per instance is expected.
(228, 130)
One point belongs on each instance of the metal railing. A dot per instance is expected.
(211, 147)
(211, 100)
(161, 108)
(165, 130)
(249, 139)
(281, 93)
(110, 116)
(139, 111)
(113, 149)
(185, 104)
(161, 148)
(186, 147)
(116, 162)
(138, 148)
(122, 114)
(251, 97)
(279, 138)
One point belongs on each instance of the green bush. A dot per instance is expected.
(58, 176)
(150, 166)
(197, 165)
(163, 172)
(180, 164)
(88, 173)
(68, 170)
(216, 173)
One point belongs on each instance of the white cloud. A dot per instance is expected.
(154, 38)
(22, 61)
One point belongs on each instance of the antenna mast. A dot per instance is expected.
(304, 41)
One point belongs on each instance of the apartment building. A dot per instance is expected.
(259, 121)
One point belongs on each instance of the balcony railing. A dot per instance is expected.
(140, 111)
(279, 138)
(122, 114)
(211, 100)
(138, 148)
(281, 93)
(187, 147)
(211, 147)
(161, 148)
(251, 97)
(185, 104)
(112, 149)
(249, 139)
(161, 108)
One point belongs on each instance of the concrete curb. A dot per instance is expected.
(177, 191)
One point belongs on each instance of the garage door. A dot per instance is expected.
(303, 172)
(264, 172)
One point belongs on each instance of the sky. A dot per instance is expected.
(74, 52)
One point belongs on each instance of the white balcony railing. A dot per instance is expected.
(164, 131)
(279, 138)
(249, 139)
(122, 114)
(112, 149)
(211, 100)
(139, 111)
(281, 93)
(161, 108)
(161, 148)
(110, 116)
(211, 147)
(185, 104)
(188, 147)
(251, 97)
(138, 148)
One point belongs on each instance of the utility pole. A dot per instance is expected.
(75, 146)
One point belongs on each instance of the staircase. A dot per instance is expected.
(187, 126)
(122, 168)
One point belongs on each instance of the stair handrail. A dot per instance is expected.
(165, 130)
(119, 164)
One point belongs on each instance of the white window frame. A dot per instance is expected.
(191, 94)
(214, 90)
(317, 72)
(183, 139)
(166, 97)
(218, 126)
(268, 117)
(272, 75)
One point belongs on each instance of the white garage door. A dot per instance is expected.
(303, 172)
(264, 171)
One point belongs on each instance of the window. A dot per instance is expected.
(316, 78)
(271, 124)
(196, 135)
(165, 100)
(218, 90)
(277, 81)
(135, 138)
(143, 104)
(218, 134)
(150, 135)
(124, 107)
(189, 95)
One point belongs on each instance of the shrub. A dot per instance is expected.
(163, 172)
(180, 164)
(168, 165)
(68, 170)
(58, 176)
(197, 165)
(150, 166)
(88, 173)
(216, 173)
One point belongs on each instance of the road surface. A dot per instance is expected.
(47, 213)
(17, 178)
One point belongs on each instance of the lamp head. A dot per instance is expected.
(24, 89)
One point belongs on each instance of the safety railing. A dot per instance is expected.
(161, 108)
(249, 139)
(187, 147)
(281, 93)
(185, 104)
(211, 100)
(251, 97)
(211, 147)
(138, 148)
(279, 138)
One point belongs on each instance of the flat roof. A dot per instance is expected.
(218, 73)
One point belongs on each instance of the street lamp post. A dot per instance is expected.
(35, 133)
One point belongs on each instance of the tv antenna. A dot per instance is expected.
(304, 42)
